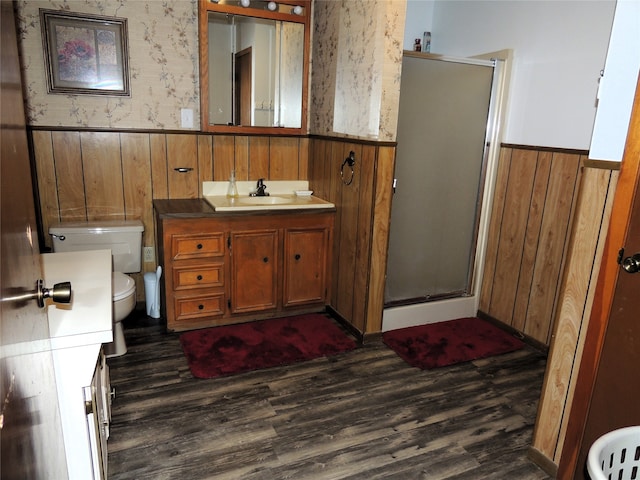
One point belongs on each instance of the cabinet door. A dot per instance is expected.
(305, 266)
(98, 411)
(254, 269)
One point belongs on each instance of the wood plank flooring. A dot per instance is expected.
(364, 414)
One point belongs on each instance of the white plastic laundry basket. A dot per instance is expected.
(616, 455)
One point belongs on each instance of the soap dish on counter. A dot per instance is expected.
(303, 193)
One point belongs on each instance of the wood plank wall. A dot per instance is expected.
(96, 175)
(574, 310)
(362, 224)
(535, 197)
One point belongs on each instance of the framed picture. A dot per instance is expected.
(85, 54)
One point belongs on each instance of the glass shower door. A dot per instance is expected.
(440, 166)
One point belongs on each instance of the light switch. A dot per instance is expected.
(186, 116)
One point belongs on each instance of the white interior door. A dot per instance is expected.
(30, 433)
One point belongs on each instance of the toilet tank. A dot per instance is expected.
(123, 238)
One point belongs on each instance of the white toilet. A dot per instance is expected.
(124, 239)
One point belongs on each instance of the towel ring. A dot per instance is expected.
(350, 161)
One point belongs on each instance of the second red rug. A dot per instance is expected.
(447, 343)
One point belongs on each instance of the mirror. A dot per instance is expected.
(254, 69)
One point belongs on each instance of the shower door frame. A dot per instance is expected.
(438, 310)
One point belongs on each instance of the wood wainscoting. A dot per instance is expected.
(99, 175)
(361, 232)
(534, 201)
(593, 212)
(549, 221)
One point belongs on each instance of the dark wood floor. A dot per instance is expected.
(360, 415)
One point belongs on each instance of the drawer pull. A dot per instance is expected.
(297, 257)
(199, 277)
(199, 246)
(183, 169)
(265, 259)
(200, 307)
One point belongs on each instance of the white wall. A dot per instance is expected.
(559, 49)
(419, 20)
(618, 84)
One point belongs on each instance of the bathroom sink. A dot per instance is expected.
(222, 203)
(270, 200)
(283, 195)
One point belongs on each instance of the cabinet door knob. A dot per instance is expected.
(297, 256)
(265, 259)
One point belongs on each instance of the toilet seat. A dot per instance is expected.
(123, 286)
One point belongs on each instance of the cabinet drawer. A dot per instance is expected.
(195, 246)
(199, 306)
(198, 276)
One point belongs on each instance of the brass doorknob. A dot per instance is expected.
(60, 293)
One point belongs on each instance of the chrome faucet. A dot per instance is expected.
(260, 189)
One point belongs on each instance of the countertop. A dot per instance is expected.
(199, 207)
(280, 195)
(87, 320)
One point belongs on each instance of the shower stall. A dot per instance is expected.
(445, 168)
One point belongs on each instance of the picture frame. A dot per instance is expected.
(85, 54)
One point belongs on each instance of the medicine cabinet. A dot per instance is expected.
(254, 66)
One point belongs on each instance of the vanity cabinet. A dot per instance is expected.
(229, 268)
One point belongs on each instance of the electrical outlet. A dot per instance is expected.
(149, 255)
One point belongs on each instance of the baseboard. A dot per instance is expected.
(544, 462)
(362, 338)
(359, 336)
(538, 345)
(375, 337)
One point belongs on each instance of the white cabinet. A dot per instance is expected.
(77, 332)
(82, 380)
(97, 397)
(618, 84)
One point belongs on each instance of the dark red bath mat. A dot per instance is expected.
(227, 350)
(447, 343)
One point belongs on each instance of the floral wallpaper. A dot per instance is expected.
(163, 66)
(357, 60)
(355, 74)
